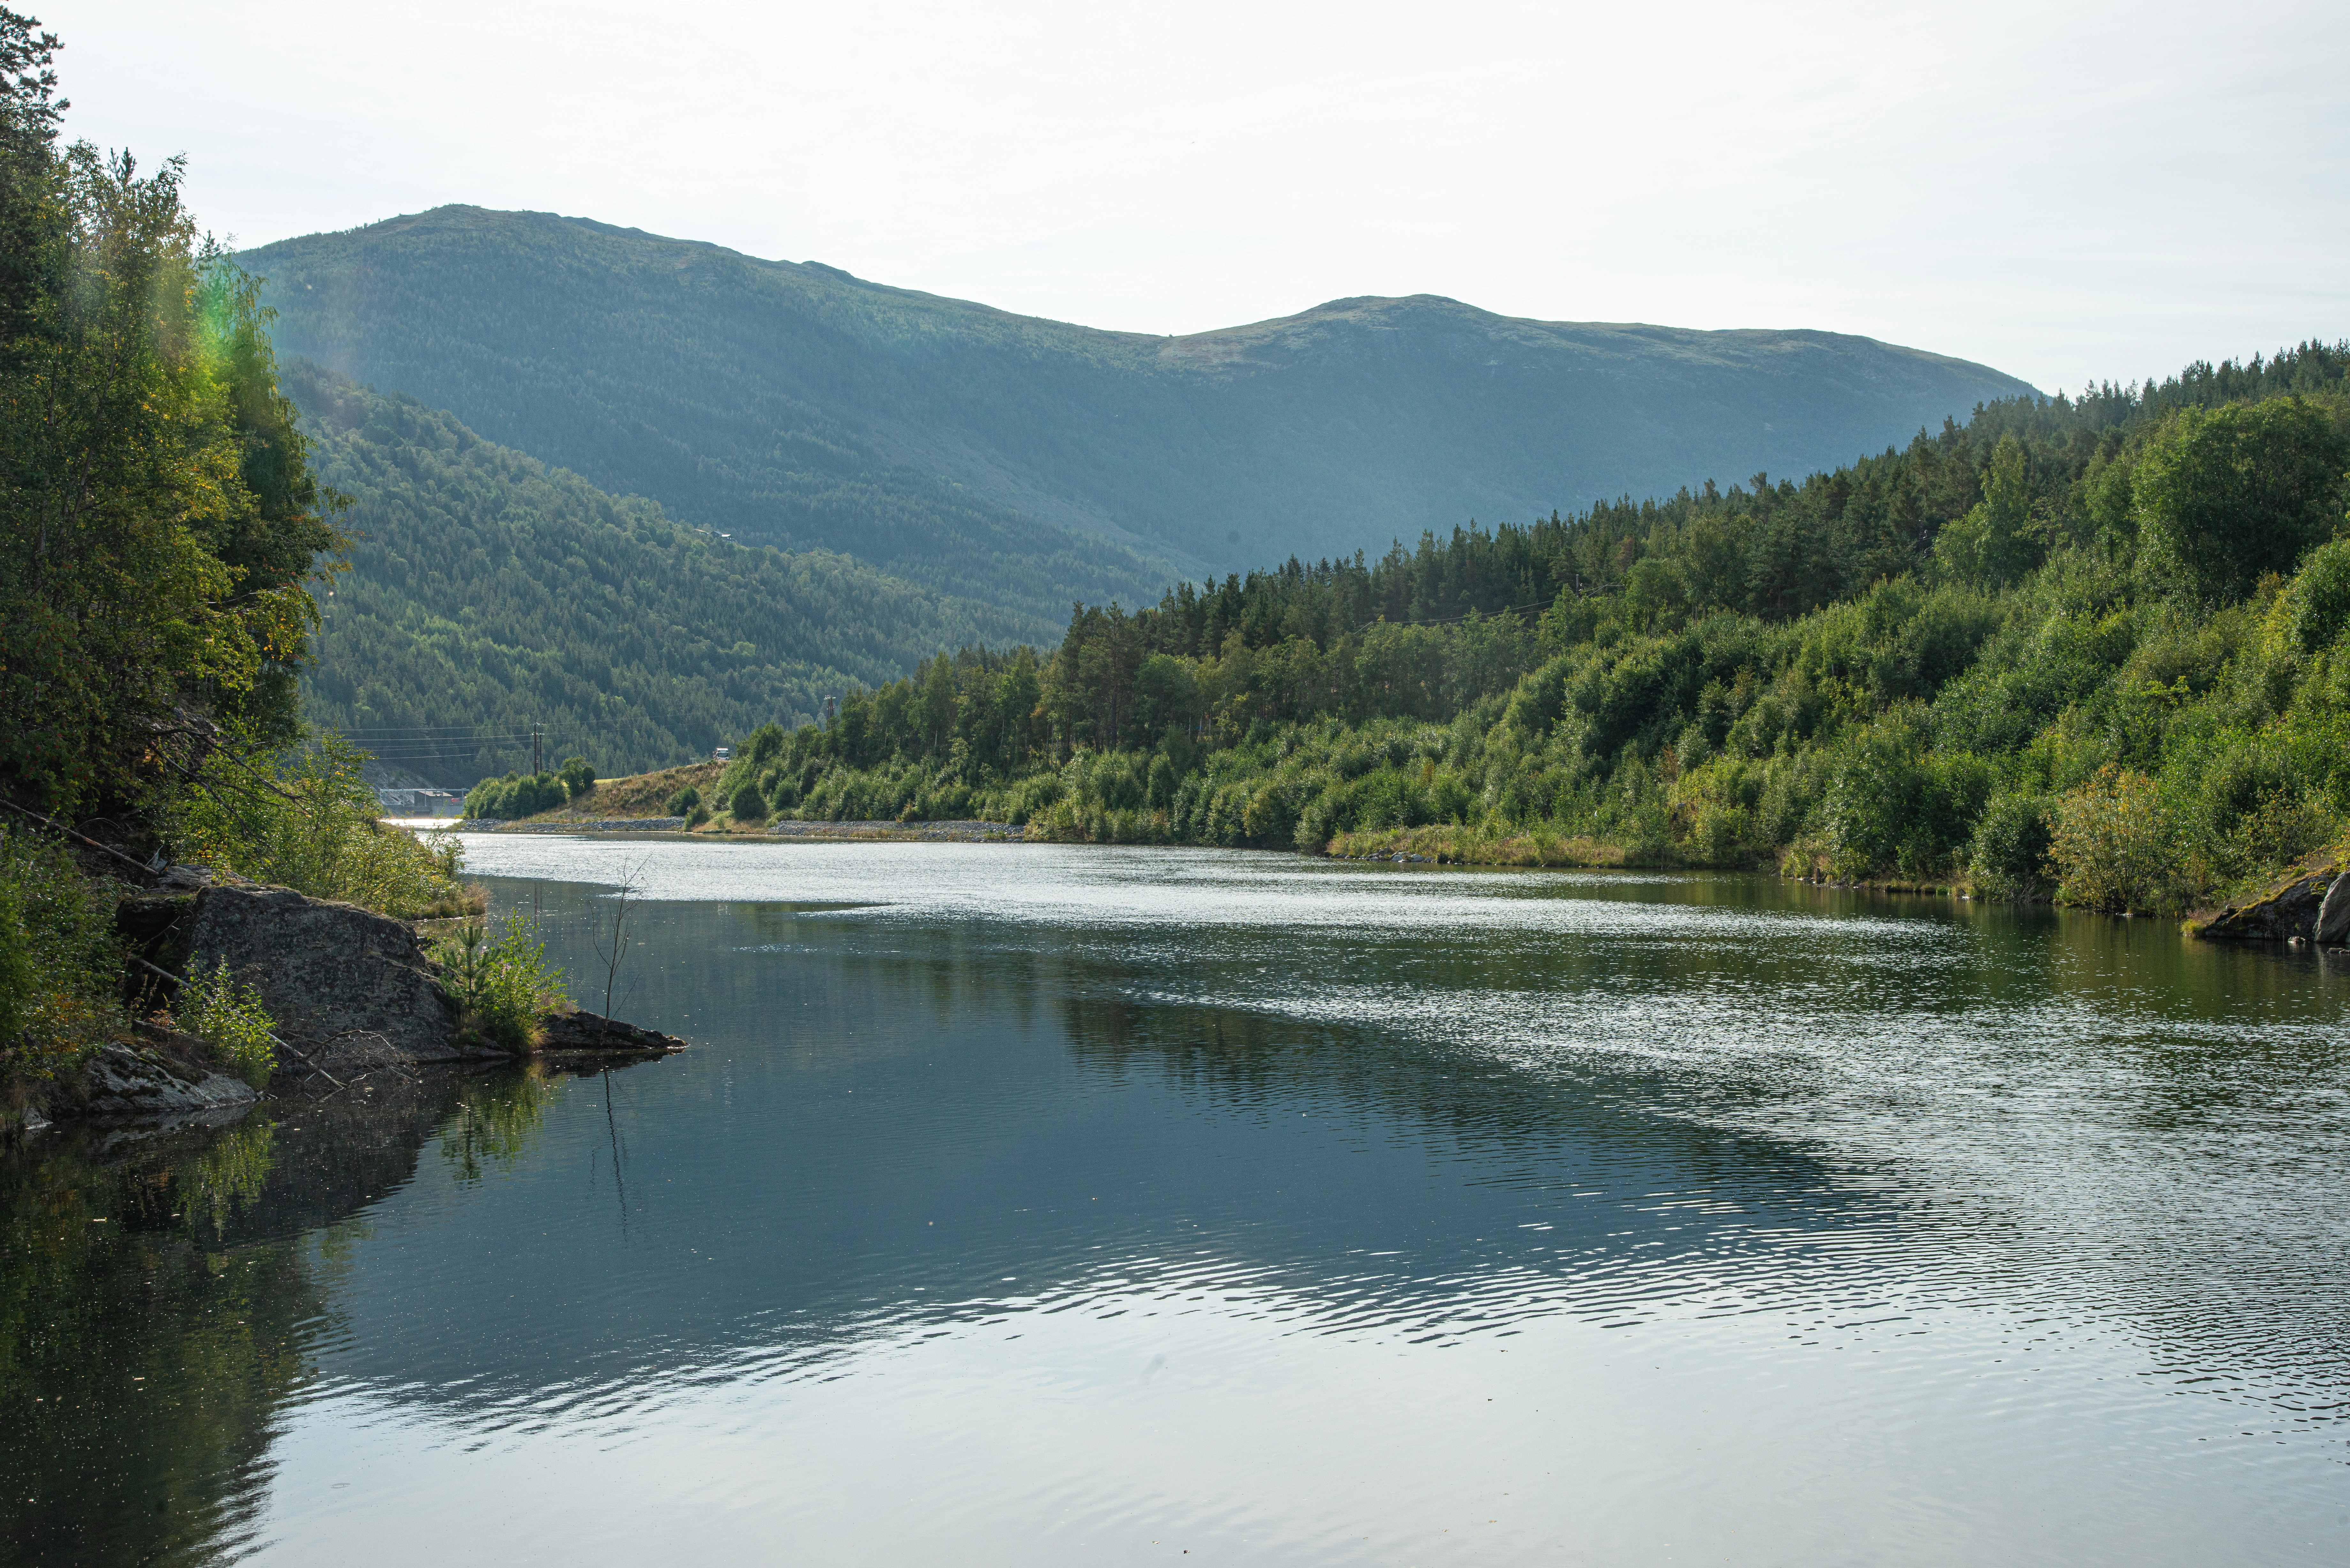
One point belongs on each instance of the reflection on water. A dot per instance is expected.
(1045, 1204)
(162, 1294)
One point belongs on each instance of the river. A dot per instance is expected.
(1031, 1204)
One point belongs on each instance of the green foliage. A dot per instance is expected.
(2116, 845)
(1992, 545)
(2320, 597)
(2009, 858)
(231, 1021)
(60, 962)
(157, 517)
(747, 803)
(578, 777)
(1892, 804)
(489, 591)
(2227, 495)
(516, 796)
(682, 801)
(308, 820)
(500, 985)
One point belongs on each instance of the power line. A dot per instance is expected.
(435, 731)
(1464, 615)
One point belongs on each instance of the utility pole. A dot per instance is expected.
(534, 746)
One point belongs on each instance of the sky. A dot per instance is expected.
(2068, 193)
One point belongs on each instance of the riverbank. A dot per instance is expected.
(324, 998)
(1449, 844)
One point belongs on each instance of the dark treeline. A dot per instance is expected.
(1772, 549)
(2121, 603)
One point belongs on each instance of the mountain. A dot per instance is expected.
(1029, 462)
(488, 592)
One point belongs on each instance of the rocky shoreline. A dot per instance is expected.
(2309, 906)
(352, 993)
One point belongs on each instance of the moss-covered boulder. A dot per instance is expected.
(2310, 903)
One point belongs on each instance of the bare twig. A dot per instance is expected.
(632, 883)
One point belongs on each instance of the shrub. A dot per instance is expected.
(1889, 806)
(2115, 846)
(2319, 599)
(230, 1019)
(514, 796)
(500, 986)
(2009, 857)
(578, 777)
(309, 823)
(61, 962)
(683, 802)
(749, 804)
(1722, 834)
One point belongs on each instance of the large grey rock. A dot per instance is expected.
(349, 987)
(2334, 915)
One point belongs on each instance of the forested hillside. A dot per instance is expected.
(2101, 643)
(487, 592)
(1030, 462)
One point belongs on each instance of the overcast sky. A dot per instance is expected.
(2063, 192)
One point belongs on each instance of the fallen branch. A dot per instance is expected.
(56, 826)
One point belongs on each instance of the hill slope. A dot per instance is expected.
(488, 592)
(1031, 462)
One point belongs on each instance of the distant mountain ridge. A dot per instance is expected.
(488, 593)
(1029, 462)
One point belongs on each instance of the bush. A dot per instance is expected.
(231, 1021)
(309, 823)
(2009, 858)
(749, 804)
(2319, 599)
(516, 796)
(2116, 847)
(61, 962)
(1888, 806)
(683, 802)
(1722, 834)
(500, 987)
(578, 777)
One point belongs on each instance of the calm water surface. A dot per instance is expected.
(1028, 1205)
